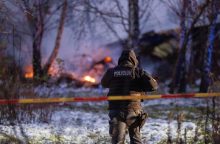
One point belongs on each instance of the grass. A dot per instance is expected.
(6, 139)
(162, 111)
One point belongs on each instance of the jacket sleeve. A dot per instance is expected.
(149, 83)
(105, 81)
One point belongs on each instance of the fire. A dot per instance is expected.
(28, 72)
(89, 79)
(108, 59)
(53, 70)
(28, 75)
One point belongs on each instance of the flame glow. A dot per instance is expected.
(53, 70)
(28, 75)
(108, 59)
(89, 79)
(28, 72)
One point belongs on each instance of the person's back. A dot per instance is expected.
(126, 79)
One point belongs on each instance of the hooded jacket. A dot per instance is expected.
(127, 79)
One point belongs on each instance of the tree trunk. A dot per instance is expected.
(134, 28)
(36, 57)
(36, 22)
(180, 74)
(58, 39)
(180, 71)
(134, 31)
(35, 18)
(205, 82)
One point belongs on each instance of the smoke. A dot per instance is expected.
(93, 46)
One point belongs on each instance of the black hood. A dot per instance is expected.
(128, 58)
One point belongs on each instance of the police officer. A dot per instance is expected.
(127, 115)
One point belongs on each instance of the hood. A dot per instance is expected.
(128, 58)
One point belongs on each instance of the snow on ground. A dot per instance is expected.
(196, 102)
(65, 90)
(80, 123)
(78, 127)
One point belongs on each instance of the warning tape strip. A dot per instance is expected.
(105, 98)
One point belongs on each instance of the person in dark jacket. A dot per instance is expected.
(126, 115)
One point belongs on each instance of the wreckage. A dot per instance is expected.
(90, 77)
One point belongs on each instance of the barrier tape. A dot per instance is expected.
(105, 98)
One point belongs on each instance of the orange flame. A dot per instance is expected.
(28, 72)
(53, 70)
(29, 75)
(89, 79)
(108, 59)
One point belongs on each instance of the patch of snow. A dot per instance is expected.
(176, 101)
(67, 91)
(198, 81)
(88, 127)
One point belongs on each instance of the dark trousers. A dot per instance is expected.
(122, 122)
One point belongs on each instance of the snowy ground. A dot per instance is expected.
(87, 123)
(78, 127)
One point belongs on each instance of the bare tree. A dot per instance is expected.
(119, 16)
(189, 14)
(212, 15)
(35, 15)
(40, 16)
(84, 16)
(58, 39)
(134, 31)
